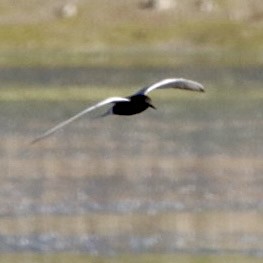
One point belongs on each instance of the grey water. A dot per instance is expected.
(185, 178)
(109, 76)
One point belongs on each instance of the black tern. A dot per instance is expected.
(131, 105)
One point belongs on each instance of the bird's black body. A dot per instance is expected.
(134, 104)
(137, 104)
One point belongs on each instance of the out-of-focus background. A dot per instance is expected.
(180, 184)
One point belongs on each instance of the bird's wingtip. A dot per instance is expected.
(193, 85)
(202, 89)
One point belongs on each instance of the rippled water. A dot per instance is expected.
(185, 178)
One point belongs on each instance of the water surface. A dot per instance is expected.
(186, 178)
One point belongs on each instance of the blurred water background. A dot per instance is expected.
(183, 183)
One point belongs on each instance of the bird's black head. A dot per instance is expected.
(142, 101)
(148, 101)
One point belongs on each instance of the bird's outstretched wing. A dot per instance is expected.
(78, 115)
(173, 83)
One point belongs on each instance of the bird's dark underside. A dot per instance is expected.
(137, 104)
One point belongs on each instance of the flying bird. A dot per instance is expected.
(134, 104)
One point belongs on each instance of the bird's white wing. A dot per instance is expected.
(173, 83)
(78, 115)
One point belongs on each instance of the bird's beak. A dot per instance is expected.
(150, 105)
